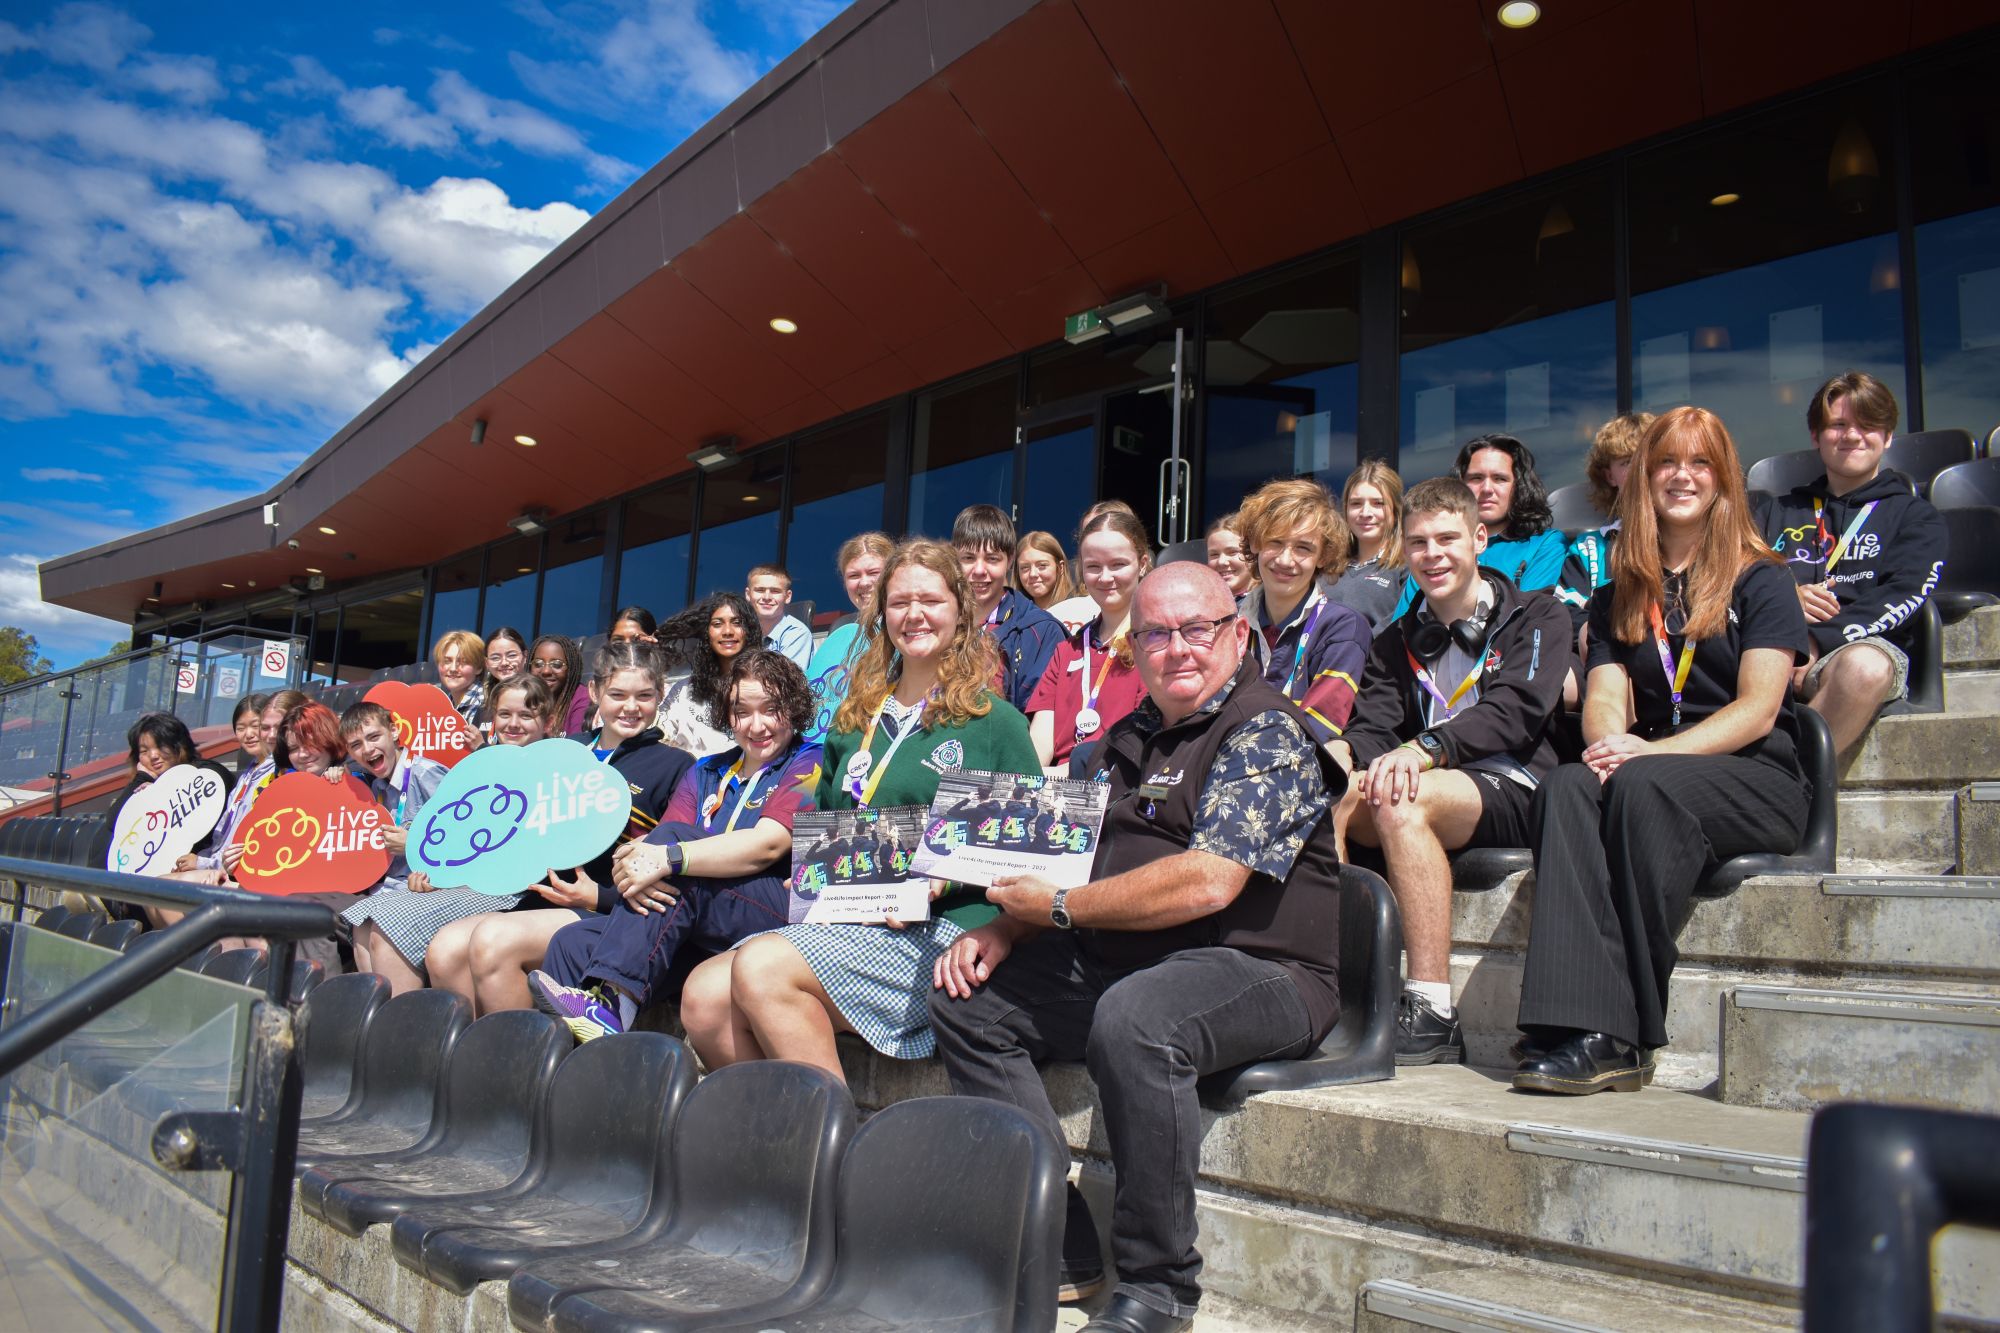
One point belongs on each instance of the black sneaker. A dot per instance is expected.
(1082, 1260)
(1424, 1036)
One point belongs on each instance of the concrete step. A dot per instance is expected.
(1544, 1298)
(1487, 990)
(1973, 642)
(1933, 751)
(1972, 691)
(1918, 827)
(1659, 1182)
(1939, 926)
(1797, 1048)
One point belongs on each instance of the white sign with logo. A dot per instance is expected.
(228, 682)
(166, 821)
(187, 678)
(276, 659)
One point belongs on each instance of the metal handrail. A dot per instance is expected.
(257, 1140)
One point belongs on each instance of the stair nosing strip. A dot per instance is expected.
(1910, 886)
(1436, 1309)
(1730, 1166)
(1846, 1004)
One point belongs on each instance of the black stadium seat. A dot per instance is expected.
(1574, 513)
(601, 1152)
(333, 1022)
(1196, 551)
(1923, 455)
(1781, 472)
(1362, 1046)
(914, 1256)
(52, 918)
(746, 1218)
(1926, 693)
(117, 935)
(403, 1054)
(1968, 485)
(1478, 869)
(96, 845)
(235, 965)
(80, 924)
(1972, 568)
(497, 1075)
(306, 974)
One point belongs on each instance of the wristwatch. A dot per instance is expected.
(1432, 747)
(1058, 914)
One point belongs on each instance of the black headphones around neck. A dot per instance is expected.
(1429, 637)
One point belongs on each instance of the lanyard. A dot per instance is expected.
(1091, 691)
(713, 805)
(1315, 607)
(1450, 705)
(403, 795)
(864, 774)
(1826, 542)
(1676, 678)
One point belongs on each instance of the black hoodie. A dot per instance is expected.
(651, 771)
(1891, 565)
(1529, 654)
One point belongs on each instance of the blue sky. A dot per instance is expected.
(225, 229)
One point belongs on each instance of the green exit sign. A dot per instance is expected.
(1086, 324)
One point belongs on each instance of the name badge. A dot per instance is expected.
(1152, 791)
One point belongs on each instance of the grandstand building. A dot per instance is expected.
(1044, 253)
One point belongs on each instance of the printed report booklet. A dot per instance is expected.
(854, 866)
(984, 825)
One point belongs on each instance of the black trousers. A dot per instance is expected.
(1146, 1036)
(1616, 864)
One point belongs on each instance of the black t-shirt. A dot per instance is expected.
(1763, 613)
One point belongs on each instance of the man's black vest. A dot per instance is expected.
(1294, 922)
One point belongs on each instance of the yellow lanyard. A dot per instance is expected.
(1676, 678)
(864, 775)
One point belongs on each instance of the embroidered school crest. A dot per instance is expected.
(948, 757)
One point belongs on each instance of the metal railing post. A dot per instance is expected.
(61, 775)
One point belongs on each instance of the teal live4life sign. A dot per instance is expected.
(506, 816)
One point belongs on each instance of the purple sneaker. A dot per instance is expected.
(588, 1013)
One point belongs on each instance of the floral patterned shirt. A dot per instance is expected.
(1263, 794)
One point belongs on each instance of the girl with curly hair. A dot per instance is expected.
(921, 705)
(704, 639)
(715, 870)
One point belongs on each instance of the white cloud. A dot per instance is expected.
(183, 249)
(659, 56)
(21, 605)
(390, 113)
(105, 41)
(463, 241)
(60, 474)
(498, 120)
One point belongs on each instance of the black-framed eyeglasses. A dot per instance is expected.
(1194, 633)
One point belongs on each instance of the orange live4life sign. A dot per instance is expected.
(426, 723)
(307, 835)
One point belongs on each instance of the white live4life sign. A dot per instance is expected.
(166, 821)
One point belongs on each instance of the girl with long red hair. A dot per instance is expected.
(1691, 758)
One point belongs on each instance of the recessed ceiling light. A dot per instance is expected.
(311, 570)
(525, 569)
(1519, 14)
(329, 531)
(783, 325)
(1725, 199)
(527, 441)
(749, 499)
(229, 585)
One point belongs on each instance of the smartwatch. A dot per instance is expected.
(1058, 914)
(1432, 748)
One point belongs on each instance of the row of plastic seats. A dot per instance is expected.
(614, 1192)
(76, 840)
(249, 967)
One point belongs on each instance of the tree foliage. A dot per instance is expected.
(20, 656)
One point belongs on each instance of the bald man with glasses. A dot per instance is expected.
(1208, 937)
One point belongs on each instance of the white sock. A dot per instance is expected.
(1437, 994)
(628, 1009)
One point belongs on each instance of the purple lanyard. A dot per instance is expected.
(1305, 637)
